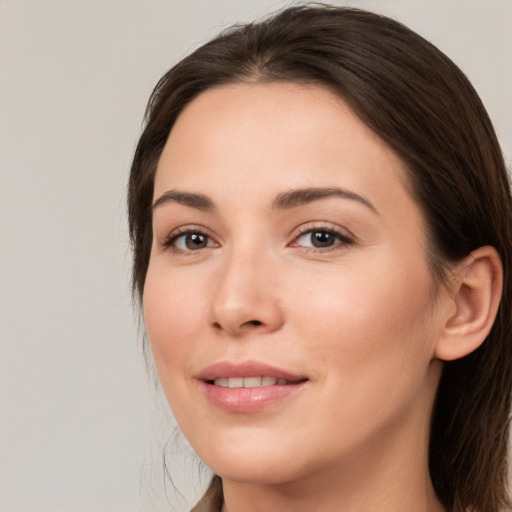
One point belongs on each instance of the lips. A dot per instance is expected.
(250, 382)
(247, 386)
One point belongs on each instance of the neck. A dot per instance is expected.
(390, 474)
(326, 498)
(352, 493)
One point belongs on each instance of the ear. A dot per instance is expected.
(475, 296)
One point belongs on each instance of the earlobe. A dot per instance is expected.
(476, 293)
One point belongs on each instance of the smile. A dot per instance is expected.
(250, 382)
(248, 386)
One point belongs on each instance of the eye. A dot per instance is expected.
(187, 241)
(321, 238)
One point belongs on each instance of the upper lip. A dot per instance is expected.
(226, 369)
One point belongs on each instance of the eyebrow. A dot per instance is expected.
(299, 197)
(283, 201)
(197, 201)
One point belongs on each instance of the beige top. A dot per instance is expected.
(212, 499)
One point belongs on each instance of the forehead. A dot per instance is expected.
(269, 121)
(253, 140)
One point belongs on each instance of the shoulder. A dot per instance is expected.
(212, 499)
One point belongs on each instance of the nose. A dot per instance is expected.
(245, 300)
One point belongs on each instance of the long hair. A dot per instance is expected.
(425, 109)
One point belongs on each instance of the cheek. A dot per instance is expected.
(374, 320)
(174, 316)
(371, 334)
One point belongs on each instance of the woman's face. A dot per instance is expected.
(288, 301)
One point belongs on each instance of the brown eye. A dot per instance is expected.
(195, 241)
(321, 239)
(189, 241)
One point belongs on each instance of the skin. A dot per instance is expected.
(361, 319)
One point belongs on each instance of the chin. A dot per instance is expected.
(258, 463)
(256, 473)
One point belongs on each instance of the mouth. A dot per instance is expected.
(248, 386)
(252, 382)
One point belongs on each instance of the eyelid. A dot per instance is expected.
(345, 236)
(168, 241)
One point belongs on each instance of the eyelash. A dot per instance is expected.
(343, 239)
(170, 241)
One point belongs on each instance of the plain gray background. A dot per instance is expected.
(81, 428)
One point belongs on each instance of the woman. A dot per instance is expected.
(320, 215)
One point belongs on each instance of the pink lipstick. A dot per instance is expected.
(247, 386)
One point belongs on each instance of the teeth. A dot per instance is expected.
(249, 382)
(268, 381)
(236, 382)
(252, 382)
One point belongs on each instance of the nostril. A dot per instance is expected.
(255, 323)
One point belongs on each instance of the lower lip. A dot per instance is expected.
(248, 399)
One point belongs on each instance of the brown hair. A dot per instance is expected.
(423, 106)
